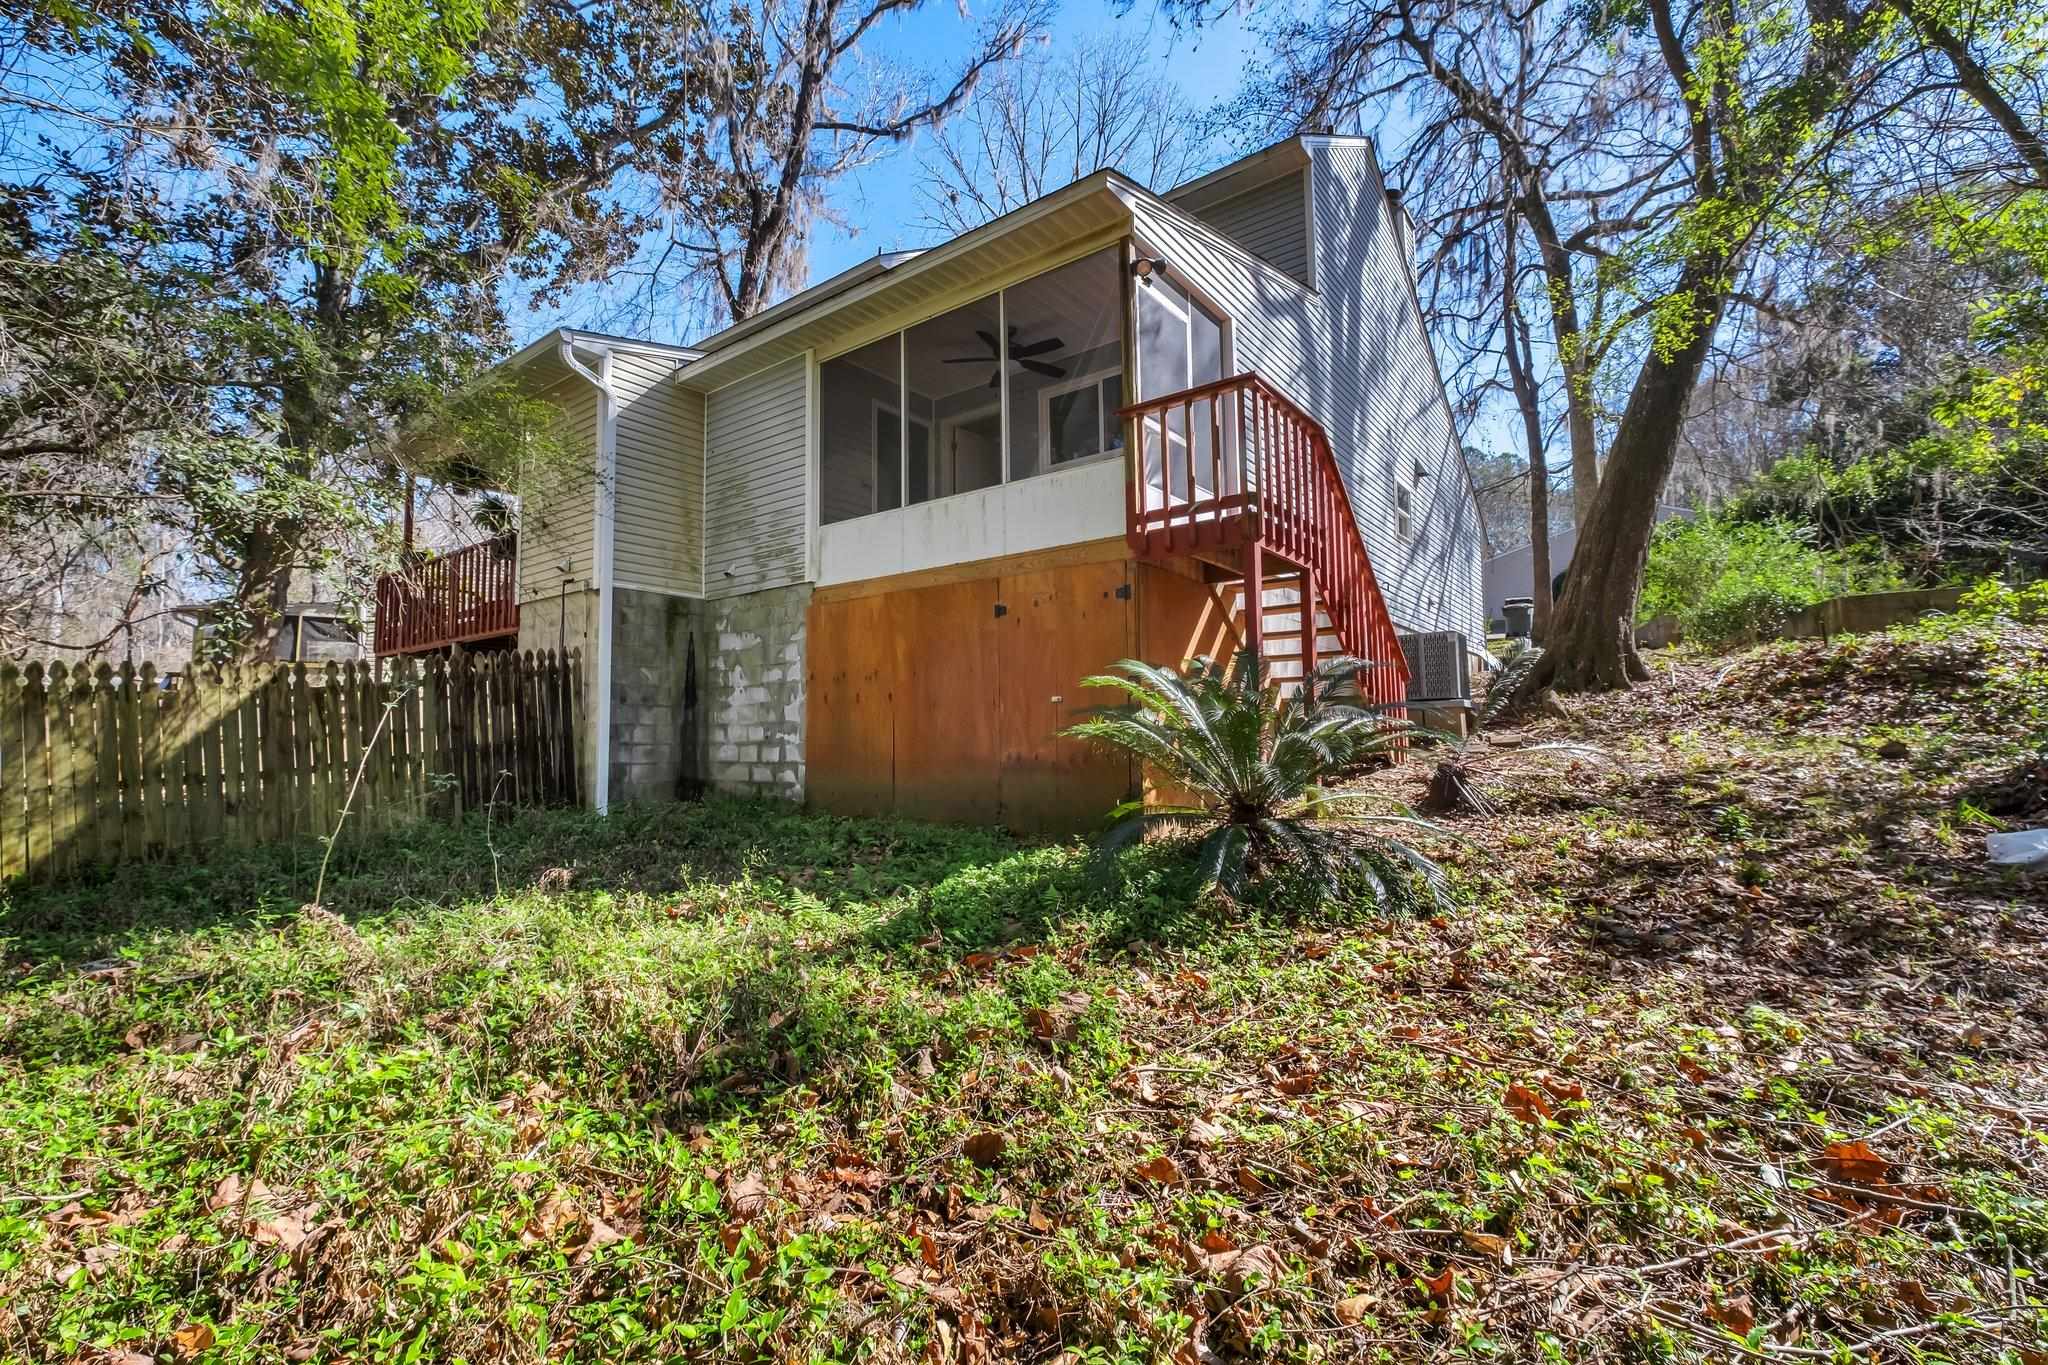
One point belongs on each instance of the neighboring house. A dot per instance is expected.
(1512, 573)
(308, 632)
(885, 527)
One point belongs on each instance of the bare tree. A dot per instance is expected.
(792, 104)
(1052, 118)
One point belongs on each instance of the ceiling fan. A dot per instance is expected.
(1021, 354)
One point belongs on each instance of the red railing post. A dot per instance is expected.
(1288, 497)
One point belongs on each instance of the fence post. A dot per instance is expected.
(13, 784)
(35, 769)
(156, 813)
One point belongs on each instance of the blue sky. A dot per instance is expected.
(880, 205)
(877, 208)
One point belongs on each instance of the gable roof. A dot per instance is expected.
(1284, 157)
(878, 290)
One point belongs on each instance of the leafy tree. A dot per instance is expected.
(1901, 403)
(793, 109)
(1668, 162)
(1257, 769)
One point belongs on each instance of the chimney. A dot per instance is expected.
(1404, 226)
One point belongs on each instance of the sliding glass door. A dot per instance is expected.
(1181, 347)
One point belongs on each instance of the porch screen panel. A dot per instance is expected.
(860, 436)
(953, 381)
(1065, 364)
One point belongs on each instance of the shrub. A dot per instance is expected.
(1731, 582)
(1992, 600)
(1257, 768)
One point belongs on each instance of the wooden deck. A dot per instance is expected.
(468, 596)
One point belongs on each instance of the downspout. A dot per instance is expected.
(601, 553)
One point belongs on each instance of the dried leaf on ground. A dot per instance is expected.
(191, 1339)
(985, 1149)
(1856, 1163)
(1737, 1314)
(1527, 1105)
(1160, 1170)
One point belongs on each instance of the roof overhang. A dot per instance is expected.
(1241, 176)
(882, 295)
(542, 363)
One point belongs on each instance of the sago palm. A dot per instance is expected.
(1258, 767)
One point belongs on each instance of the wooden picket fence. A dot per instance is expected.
(101, 764)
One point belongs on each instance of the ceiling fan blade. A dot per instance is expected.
(1036, 348)
(989, 338)
(1040, 367)
(967, 360)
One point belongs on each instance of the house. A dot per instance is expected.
(861, 548)
(1512, 573)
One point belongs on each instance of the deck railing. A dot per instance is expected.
(1237, 463)
(461, 597)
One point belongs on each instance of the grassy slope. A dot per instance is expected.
(734, 1083)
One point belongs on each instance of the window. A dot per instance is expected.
(1077, 418)
(1014, 384)
(860, 451)
(1404, 509)
(888, 454)
(952, 382)
(1065, 335)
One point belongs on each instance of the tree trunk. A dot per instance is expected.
(1521, 374)
(1592, 644)
(1571, 348)
(271, 551)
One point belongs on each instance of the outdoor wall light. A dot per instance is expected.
(1145, 267)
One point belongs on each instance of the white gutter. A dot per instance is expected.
(601, 544)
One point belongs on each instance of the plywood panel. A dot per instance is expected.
(946, 701)
(926, 702)
(1059, 626)
(850, 725)
(1182, 618)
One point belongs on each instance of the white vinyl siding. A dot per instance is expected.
(659, 446)
(558, 507)
(1356, 356)
(756, 481)
(1270, 221)
(1389, 418)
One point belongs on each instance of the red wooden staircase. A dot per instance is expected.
(1236, 475)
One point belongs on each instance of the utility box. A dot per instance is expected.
(1439, 668)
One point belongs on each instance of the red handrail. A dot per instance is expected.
(459, 597)
(1239, 463)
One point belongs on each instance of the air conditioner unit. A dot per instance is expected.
(1439, 668)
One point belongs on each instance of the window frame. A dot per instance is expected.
(1105, 419)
